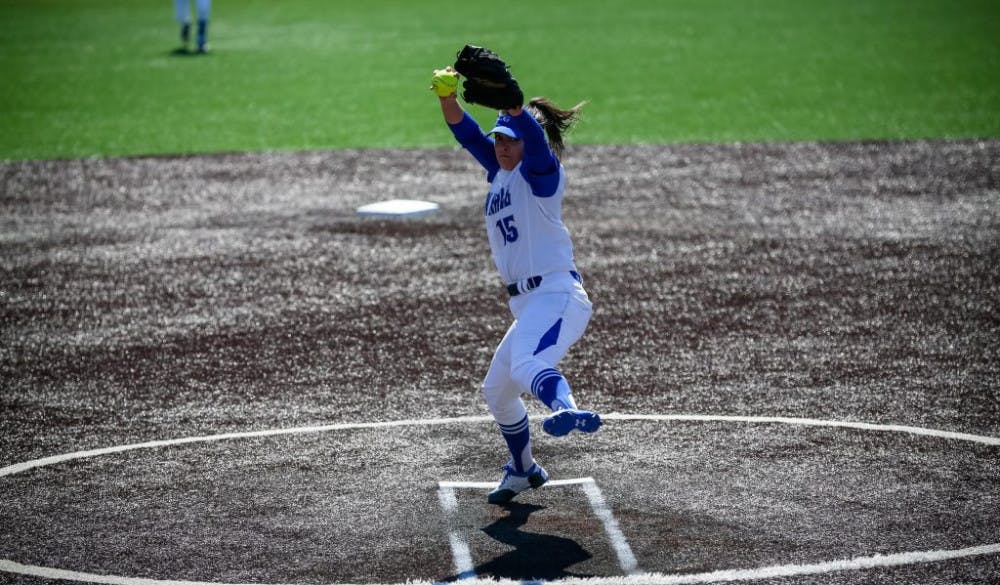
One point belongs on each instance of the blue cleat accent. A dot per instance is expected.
(565, 421)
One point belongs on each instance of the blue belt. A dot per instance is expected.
(529, 284)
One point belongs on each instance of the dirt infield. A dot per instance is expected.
(157, 298)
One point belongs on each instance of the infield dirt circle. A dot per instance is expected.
(165, 297)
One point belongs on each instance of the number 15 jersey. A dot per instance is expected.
(526, 232)
(523, 209)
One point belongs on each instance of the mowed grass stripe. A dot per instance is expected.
(96, 77)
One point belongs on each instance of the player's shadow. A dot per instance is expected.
(535, 556)
(183, 52)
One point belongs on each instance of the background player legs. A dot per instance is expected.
(184, 18)
(204, 7)
(183, 14)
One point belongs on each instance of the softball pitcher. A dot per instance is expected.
(533, 253)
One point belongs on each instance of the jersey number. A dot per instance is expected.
(507, 229)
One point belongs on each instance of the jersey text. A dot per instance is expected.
(497, 201)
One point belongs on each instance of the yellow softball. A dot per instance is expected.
(445, 82)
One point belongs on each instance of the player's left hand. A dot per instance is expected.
(444, 83)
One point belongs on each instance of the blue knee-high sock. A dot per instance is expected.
(552, 389)
(518, 443)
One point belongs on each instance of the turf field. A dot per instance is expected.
(213, 371)
(98, 77)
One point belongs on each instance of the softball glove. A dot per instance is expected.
(488, 81)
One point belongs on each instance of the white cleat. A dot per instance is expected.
(514, 483)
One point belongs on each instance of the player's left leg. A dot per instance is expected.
(548, 325)
(204, 7)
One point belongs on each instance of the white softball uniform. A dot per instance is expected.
(547, 322)
(526, 233)
(533, 253)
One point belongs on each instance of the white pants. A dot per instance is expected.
(182, 10)
(547, 322)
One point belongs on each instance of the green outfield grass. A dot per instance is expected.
(96, 77)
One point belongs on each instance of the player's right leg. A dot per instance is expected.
(521, 472)
(503, 398)
(184, 18)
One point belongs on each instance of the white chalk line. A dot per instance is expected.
(726, 575)
(460, 554)
(626, 560)
(855, 564)
(19, 467)
(920, 431)
(711, 577)
(481, 485)
(460, 549)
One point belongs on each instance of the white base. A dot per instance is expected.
(398, 209)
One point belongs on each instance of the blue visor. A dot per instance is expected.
(505, 126)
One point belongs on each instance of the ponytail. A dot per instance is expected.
(554, 120)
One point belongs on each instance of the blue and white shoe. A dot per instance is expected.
(514, 483)
(563, 422)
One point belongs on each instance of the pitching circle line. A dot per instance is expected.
(710, 577)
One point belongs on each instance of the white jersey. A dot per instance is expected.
(526, 232)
